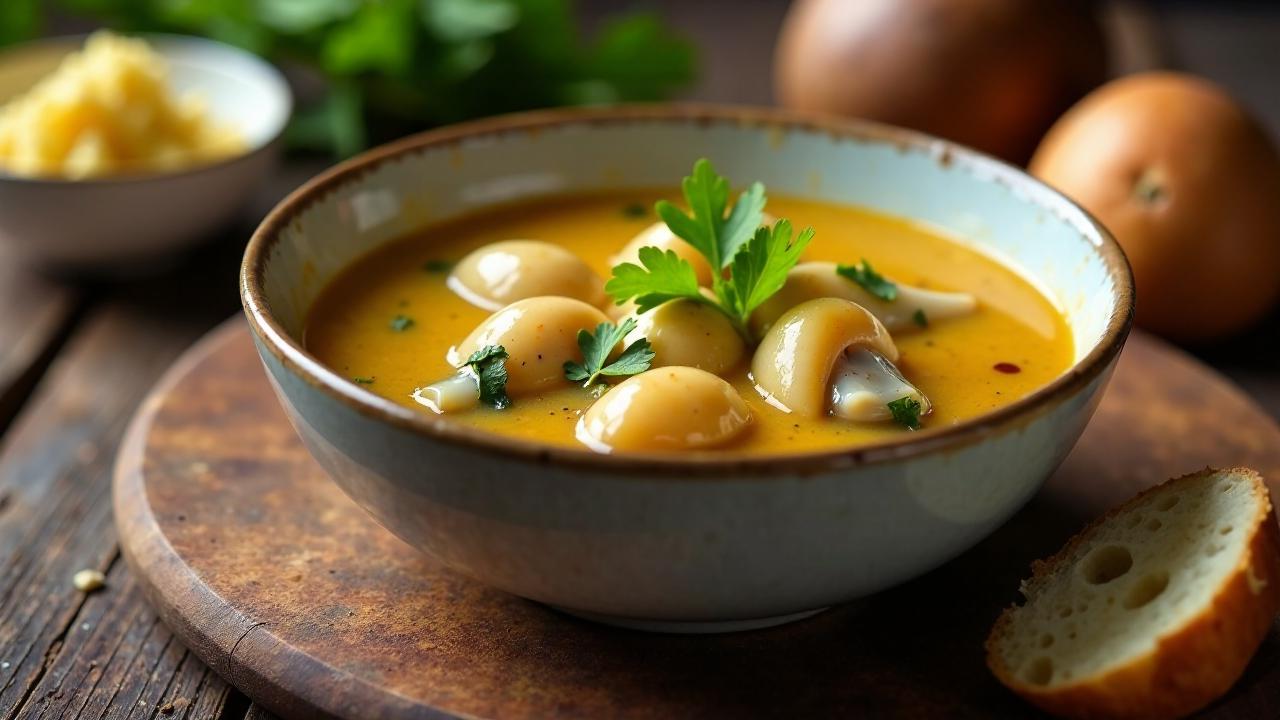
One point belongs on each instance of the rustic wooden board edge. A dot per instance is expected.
(222, 640)
(287, 680)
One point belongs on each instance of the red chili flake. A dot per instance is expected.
(1007, 368)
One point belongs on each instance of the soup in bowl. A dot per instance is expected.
(832, 357)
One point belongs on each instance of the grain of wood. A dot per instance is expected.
(34, 315)
(68, 653)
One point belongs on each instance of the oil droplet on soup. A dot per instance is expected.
(352, 326)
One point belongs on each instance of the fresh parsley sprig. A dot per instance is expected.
(870, 280)
(489, 365)
(635, 359)
(757, 258)
(660, 276)
(760, 269)
(906, 412)
(705, 227)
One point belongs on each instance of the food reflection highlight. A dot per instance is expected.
(709, 335)
(500, 273)
(832, 356)
(671, 409)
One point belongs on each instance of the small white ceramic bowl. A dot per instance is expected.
(118, 222)
(663, 542)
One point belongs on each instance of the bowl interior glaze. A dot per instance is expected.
(398, 189)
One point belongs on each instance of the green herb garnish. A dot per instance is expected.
(919, 317)
(635, 211)
(488, 364)
(661, 276)
(870, 280)
(757, 258)
(385, 67)
(437, 266)
(360, 380)
(595, 352)
(906, 412)
(400, 323)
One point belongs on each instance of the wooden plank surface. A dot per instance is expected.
(35, 315)
(104, 654)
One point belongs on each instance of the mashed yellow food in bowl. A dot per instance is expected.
(115, 153)
(109, 110)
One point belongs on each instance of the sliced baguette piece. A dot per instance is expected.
(1152, 611)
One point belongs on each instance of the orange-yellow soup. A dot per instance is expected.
(1014, 343)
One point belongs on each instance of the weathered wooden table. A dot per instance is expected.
(75, 359)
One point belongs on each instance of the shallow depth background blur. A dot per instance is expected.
(705, 50)
(77, 358)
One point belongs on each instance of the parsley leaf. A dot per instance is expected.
(743, 223)
(760, 269)
(919, 317)
(361, 380)
(870, 280)
(400, 323)
(437, 266)
(488, 364)
(757, 258)
(706, 228)
(596, 347)
(664, 276)
(906, 412)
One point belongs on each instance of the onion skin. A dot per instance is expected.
(1189, 184)
(990, 74)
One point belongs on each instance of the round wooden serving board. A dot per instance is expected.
(289, 591)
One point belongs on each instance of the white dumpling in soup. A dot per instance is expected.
(831, 356)
(500, 273)
(689, 333)
(812, 280)
(665, 410)
(539, 335)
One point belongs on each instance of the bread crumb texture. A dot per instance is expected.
(1153, 610)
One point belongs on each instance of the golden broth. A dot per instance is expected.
(953, 361)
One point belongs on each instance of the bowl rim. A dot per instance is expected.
(295, 359)
(76, 41)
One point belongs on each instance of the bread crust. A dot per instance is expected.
(1192, 665)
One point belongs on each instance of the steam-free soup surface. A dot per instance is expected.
(388, 320)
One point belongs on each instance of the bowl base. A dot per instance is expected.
(690, 627)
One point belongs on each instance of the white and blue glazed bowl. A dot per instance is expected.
(662, 542)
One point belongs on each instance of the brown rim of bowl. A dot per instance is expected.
(76, 41)
(309, 368)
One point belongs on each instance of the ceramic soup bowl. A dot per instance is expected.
(666, 543)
